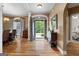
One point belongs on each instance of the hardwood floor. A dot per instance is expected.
(23, 47)
(73, 49)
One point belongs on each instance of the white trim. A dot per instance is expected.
(60, 50)
(40, 16)
(1, 29)
(29, 15)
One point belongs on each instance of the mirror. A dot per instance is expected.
(54, 23)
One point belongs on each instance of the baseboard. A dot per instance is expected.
(60, 50)
(2, 54)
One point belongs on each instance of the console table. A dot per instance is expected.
(53, 39)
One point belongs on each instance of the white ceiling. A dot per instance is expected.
(22, 9)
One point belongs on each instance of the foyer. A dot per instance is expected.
(28, 26)
(39, 29)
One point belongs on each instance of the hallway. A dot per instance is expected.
(30, 48)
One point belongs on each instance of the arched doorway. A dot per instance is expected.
(39, 27)
(71, 16)
(17, 24)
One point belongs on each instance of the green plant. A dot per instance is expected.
(39, 26)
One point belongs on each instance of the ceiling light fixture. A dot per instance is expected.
(39, 5)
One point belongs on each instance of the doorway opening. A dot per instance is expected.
(17, 25)
(39, 28)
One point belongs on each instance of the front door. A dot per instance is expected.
(39, 29)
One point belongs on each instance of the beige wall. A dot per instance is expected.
(66, 27)
(59, 10)
(6, 25)
(25, 22)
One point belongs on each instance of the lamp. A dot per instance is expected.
(6, 19)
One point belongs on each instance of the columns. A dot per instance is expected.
(29, 16)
